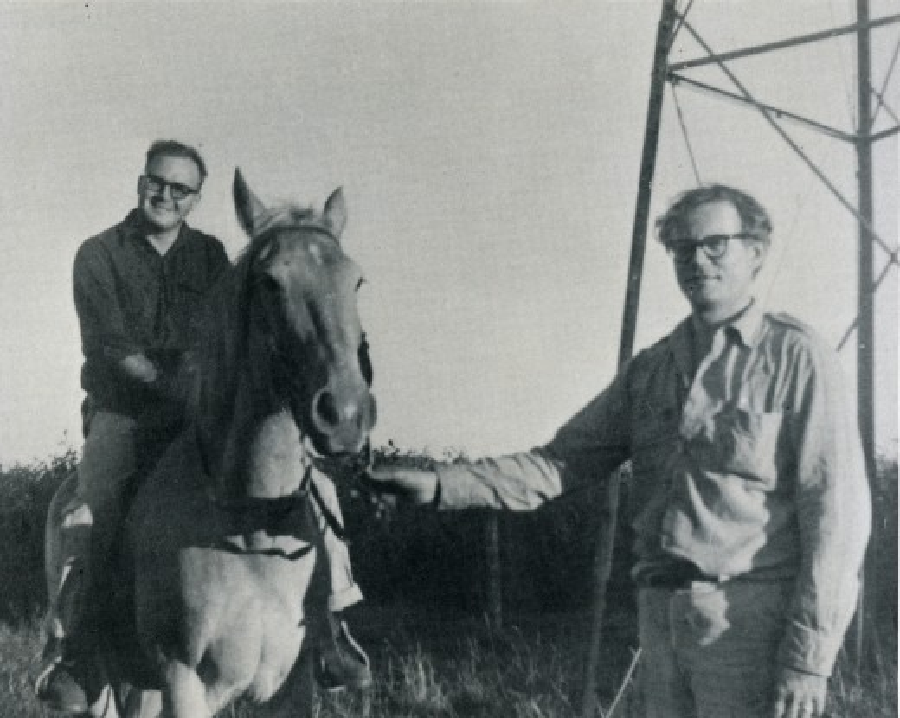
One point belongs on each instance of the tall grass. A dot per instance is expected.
(461, 667)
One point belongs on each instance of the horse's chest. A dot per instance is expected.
(254, 636)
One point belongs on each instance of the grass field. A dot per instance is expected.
(455, 665)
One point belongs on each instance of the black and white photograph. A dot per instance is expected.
(449, 358)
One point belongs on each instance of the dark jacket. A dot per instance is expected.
(131, 300)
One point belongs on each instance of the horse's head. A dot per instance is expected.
(303, 302)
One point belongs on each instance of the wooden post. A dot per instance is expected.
(494, 580)
(606, 538)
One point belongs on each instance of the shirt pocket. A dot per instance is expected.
(745, 443)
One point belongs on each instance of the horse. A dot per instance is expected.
(219, 584)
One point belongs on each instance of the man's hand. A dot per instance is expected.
(419, 487)
(799, 695)
(139, 367)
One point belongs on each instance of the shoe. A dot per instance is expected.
(343, 664)
(59, 690)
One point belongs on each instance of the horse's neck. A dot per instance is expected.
(276, 460)
(255, 455)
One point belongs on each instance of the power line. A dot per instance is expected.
(684, 132)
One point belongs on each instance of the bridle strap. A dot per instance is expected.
(327, 513)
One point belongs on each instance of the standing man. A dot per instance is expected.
(749, 498)
(139, 293)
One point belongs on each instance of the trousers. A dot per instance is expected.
(709, 649)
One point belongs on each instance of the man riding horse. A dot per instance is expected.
(139, 288)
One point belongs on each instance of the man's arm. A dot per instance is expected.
(589, 446)
(102, 322)
(834, 514)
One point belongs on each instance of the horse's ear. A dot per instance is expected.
(336, 212)
(246, 204)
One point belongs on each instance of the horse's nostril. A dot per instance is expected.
(326, 409)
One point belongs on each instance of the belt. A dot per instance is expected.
(679, 574)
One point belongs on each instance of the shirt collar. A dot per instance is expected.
(745, 328)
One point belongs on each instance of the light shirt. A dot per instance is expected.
(746, 460)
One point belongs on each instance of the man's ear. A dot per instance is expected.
(760, 252)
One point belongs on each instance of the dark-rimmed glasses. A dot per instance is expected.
(179, 191)
(714, 246)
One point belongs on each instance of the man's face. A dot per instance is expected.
(716, 287)
(168, 191)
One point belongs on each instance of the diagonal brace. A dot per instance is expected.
(675, 78)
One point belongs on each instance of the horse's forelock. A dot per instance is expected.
(273, 219)
(287, 216)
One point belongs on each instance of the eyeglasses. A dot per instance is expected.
(714, 246)
(179, 191)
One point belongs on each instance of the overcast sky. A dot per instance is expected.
(489, 154)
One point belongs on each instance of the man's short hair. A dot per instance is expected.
(173, 148)
(755, 219)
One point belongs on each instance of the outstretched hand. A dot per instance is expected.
(799, 695)
(414, 485)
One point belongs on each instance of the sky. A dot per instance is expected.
(489, 155)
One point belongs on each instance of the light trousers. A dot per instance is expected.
(709, 650)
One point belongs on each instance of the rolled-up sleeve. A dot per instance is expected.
(103, 334)
(588, 447)
(834, 513)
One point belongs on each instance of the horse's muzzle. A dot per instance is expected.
(342, 420)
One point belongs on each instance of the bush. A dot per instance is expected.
(438, 559)
(25, 494)
(546, 556)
